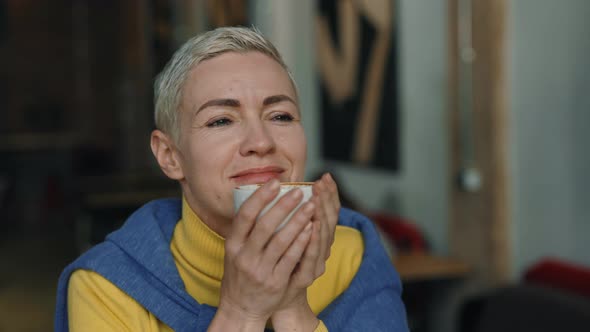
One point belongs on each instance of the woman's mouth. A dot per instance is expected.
(257, 175)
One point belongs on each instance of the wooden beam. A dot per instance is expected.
(479, 224)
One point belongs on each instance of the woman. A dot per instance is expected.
(227, 114)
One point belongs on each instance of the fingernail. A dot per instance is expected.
(296, 193)
(309, 207)
(273, 184)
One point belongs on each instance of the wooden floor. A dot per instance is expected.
(29, 269)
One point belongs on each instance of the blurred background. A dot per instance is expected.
(459, 126)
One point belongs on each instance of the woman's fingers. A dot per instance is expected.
(246, 216)
(322, 198)
(284, 238)
(327, 210)
(323, 228)
(302, 271)
(309, 269)
(290, 258)
(332, 209)
(267, 224)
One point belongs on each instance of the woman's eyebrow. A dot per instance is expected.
(228, 102)
(277, 99)
(219, 102)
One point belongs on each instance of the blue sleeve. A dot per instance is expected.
(372, 302)
(383, 311)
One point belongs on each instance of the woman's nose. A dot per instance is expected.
(257, 140)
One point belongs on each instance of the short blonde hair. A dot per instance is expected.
(170, 82)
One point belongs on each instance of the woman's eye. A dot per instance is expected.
(283, 117)
(219, 123)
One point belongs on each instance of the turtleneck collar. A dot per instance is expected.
(201, 249)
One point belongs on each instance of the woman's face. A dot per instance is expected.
(240, 124)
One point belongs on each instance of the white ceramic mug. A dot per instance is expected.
(242, 193)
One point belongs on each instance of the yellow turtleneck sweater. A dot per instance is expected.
(95, 304)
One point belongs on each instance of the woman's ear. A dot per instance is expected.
(167, 155)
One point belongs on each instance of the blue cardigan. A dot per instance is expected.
(137, 259)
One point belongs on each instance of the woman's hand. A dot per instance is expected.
(312, 265)
(259, 262)
(327, 209)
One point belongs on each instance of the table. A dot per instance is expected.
(423, 266)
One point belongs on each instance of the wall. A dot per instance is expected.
(550, 110)
(550, 102)
(420, 190)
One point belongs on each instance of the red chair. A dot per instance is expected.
(560, 274)
(405, 236)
